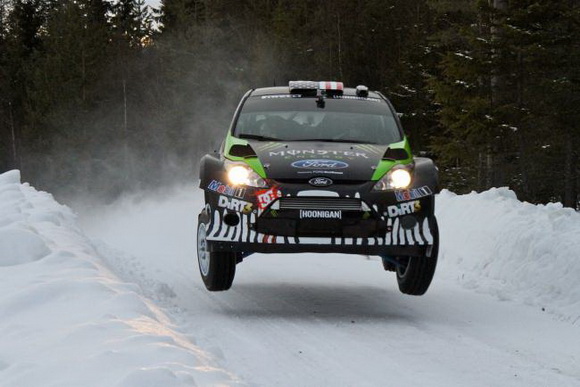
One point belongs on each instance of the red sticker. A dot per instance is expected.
(265, 197)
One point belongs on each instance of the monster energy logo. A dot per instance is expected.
(319, 152)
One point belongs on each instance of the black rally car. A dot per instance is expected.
(316, 167)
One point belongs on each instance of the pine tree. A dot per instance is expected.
(89, 85)
(7, 145)
(545, 37)
(461, 87)
(22, 21)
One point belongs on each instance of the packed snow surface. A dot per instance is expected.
(67, 320)
(513, 250)
(126, 306)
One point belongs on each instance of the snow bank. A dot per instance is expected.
(517, 251)
(66, 320)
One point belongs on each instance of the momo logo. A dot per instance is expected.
(319, 164)
(235, 204)
(404, 209)
(415, 193)
(320, 181)
(320, 214)
(221, 188)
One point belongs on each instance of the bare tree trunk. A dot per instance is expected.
(520, 138)
(339, 46)
(125, 131)
(489, 166)
(570, 187)
(480, 167)
(501, 4)
(496, 32)
(495, 160)
(15, 163)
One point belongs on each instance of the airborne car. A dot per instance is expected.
(316, 167)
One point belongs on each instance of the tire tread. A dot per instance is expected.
(222, 271)
(421, 270)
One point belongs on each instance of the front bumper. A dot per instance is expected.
(339, 219)
(270, 248)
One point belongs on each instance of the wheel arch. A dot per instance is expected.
(211, 168)
(426, 174)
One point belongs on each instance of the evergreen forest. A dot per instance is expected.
(102, 97)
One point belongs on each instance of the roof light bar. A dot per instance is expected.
(331, 87)
(301, 86)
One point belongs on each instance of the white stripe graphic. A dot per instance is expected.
(396, 232)
(225, 229)
(427, 232)
(410, 240)
(237, 232)
(316, 241)
(390, 233)
(245, 228)
(216, 223)
(210, 227)
(252, 232)
(233, 233)
(401, 235)
(417, 234)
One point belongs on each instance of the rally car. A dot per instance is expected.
(317, 167)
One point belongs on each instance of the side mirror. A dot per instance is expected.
(428, 154)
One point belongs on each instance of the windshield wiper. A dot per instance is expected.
(338, 140)
(257, 137)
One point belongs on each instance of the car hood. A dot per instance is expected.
(304, 160)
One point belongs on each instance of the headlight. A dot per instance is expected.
(240, 174)
(398, 178)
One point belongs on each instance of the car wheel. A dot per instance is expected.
(415, 277)
(217, 269)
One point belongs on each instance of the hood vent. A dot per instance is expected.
(395, 154)
(242, 151)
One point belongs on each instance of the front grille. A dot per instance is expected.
(334, 180)
(313, 203)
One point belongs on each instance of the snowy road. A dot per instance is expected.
(334, 320)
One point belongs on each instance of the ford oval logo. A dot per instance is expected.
(319, 164)
(320, 181)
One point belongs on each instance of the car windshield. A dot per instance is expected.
(289, 117)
